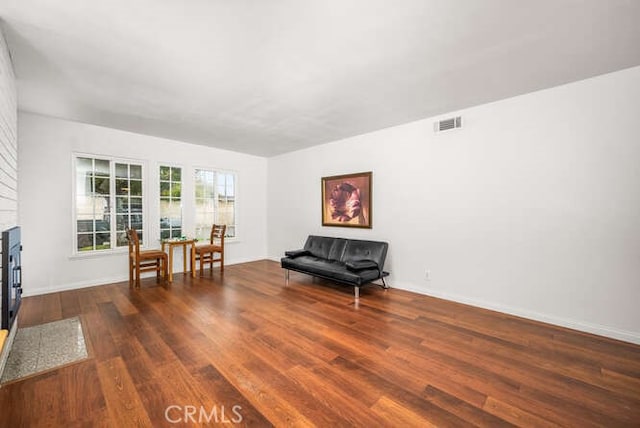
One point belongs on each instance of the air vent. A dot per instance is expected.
(448, 124)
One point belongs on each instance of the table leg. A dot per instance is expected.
(170, 263)
(193, 261)
(184, 258)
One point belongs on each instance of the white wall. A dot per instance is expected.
(8, 140)
(45, 203)
(533, 208)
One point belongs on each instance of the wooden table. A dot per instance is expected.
(172, 243)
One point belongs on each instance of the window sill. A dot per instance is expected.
(97, 255)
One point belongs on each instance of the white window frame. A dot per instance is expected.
(114, 249)
(216, 219)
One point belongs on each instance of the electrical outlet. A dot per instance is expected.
(427, 275)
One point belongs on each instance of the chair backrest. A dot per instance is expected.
(134, 242)
(217, 233)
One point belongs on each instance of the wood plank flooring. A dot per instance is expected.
(243, 346)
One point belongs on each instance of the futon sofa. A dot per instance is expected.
(352, 262)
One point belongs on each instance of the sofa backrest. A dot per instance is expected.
(325, 247)
(358, 249)
(347, 250)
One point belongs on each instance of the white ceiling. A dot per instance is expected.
(268, 77)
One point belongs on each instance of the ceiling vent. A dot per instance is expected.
(447, 124)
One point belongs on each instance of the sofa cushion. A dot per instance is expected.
(329, 269)
(359, 265)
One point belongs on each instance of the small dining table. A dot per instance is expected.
(171, 243)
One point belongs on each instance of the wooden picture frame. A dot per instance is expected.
(346, 200)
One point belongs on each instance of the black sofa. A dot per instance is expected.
(347, 261)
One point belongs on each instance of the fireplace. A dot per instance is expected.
(11, 276)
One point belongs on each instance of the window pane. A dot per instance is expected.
(175, 174)
(135, 188)
(84, 165)
(83, 184)
(135, 172)
(84, 207)
(229, 190)
(175, 209)
(85, 226)
(225, 215)
(203, 231)
(135, 205)
(165, 173)
(200, 189)
(175, 222)
(176, 190)
(176, 233)
(90, 208)
(121, 239)
(102, 185)
(136, 221)
(103, 225)
(165, 213)
(122, 221)
(103, 241)
(164, 234)
(209, 191)
(122, 187)
(102, 168)
(85, 242)
(164, 189)
(122, 204)
(122, 170)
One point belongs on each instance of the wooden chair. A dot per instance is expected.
(143, 261)
(205, 253)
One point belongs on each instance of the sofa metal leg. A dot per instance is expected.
(356, 291)
(286, 277)
(384, 283)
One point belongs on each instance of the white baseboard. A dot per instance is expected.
(105, 281)
(76, 285)
(600, 330)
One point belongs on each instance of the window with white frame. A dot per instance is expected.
(170, 202)
(108, 199)
(215, 195)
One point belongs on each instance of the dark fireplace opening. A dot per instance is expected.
(11, 276)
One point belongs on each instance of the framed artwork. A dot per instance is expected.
(346, 200)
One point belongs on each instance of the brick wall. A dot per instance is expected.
(8, 164)
(8, 140)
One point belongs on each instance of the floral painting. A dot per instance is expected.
(346, 200)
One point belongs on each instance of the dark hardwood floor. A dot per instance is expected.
(244, 346)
